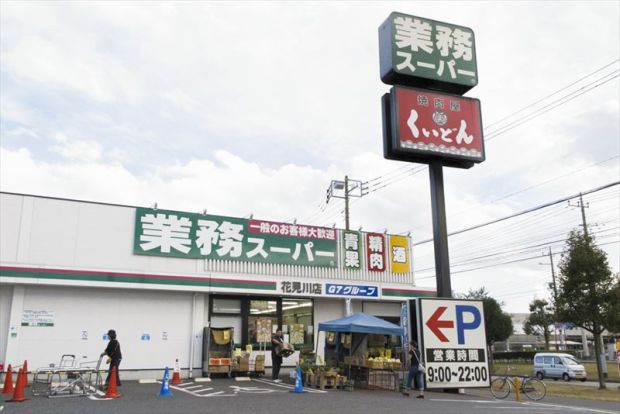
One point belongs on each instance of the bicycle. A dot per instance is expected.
(533, 388)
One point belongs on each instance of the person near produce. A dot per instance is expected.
(276, 357)
(113, 351)
(416, 372)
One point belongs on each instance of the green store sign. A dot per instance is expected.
(199, 236)
(424, 53)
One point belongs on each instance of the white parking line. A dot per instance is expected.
(191, 388)
(289, 387)
(472, 401)
(572, 408)
(527, 405)
(529, 409)
(204, 390)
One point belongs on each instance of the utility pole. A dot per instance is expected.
(346, 202)
(346, 189)
(583, 216)
(555, 300)
(584, 339)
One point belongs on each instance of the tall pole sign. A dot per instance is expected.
(425, 119)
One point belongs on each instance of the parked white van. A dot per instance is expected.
(555, 365)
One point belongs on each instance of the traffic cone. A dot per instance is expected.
(299, 387)
(8, 381)
(111, 392)
(165, 385)
(18, 393)
(176, 374)
(25, 374)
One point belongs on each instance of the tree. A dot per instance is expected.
(588, 292)
(537, 323)
(498, 323)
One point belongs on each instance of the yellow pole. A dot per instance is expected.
(518, 388)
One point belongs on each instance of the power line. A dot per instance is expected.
(552, 179)
(552, 94)
(527, 211)
(529, 117)
(509, 262)
(552, 105)
(398, 174)
(532, 226)
(520, 250)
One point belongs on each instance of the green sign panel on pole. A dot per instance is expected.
(424, 53)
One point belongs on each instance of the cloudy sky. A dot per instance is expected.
(254, 107)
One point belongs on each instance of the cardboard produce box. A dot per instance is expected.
(244, 363)
(259, 363)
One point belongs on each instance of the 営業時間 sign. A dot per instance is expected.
(453, 343)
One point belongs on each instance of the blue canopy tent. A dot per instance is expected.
(360, 323)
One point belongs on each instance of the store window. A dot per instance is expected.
(226, 313)
(297, 322)
(255, 319)
(223, 305)
(262, 322)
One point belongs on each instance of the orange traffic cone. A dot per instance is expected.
(18, 394)
(26, 373)
(8, 381)
(176, 375)
(112, 393)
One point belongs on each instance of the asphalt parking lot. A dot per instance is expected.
(224, 395)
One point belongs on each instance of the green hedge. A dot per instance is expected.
(521, 356)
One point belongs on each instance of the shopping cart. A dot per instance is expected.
(68, 379)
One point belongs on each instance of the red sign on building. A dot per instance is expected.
(424, 126)
(375, 252)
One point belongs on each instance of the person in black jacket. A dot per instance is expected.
(414, 370)
(113, 351)
(276, 356)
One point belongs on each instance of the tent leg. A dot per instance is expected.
(350, 355)
(316, 350)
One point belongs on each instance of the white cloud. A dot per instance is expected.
(84, 151)
(254, 107)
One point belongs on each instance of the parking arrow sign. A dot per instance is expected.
(434, 324)
(452, 339)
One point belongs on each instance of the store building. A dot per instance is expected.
(70, 270)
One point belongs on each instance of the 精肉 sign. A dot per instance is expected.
(425, 53)
(422, 126)
(201, 236)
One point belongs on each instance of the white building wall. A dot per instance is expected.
(325, 310)
(10, 223)
(381, 308)
(6, 298)
(61, 233)
(82, 316)
(73, 236)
